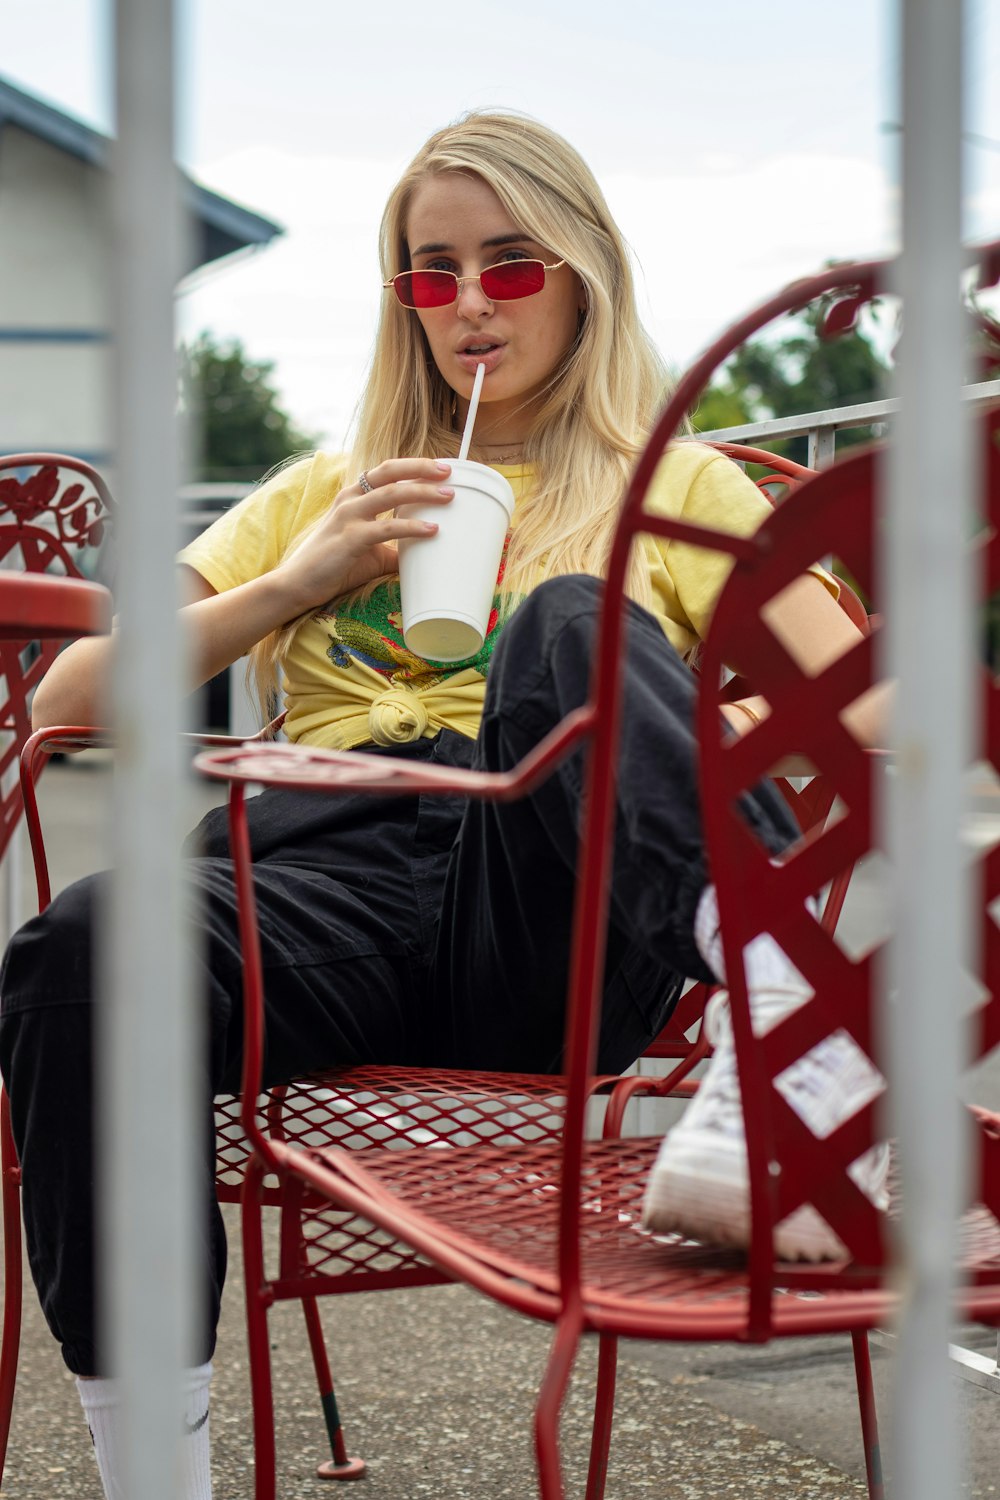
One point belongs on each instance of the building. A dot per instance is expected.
(54, 254)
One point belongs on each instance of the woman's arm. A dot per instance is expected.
(815, 631)
(355, 541)
(74, 689)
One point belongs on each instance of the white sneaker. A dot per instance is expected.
(698, 1186)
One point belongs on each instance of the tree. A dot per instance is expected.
(239, 429)
(798, 372)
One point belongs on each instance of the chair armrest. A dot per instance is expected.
(310, 768)
(44, 743)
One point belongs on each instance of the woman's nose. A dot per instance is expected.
(472, 300)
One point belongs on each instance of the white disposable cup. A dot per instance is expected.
(448, 581)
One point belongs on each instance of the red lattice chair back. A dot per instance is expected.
(54, 513)
(758, 893)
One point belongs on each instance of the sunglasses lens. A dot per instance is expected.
(513, 279)
(425, 288)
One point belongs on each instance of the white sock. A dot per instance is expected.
(102, 1406)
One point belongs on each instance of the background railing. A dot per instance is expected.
(821, 427)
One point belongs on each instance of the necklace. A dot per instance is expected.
(509, 454)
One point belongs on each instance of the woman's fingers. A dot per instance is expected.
(356, 539)
(395, 470)
(354, 503)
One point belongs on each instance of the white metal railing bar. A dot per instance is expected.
(144, 1049)
(215, 489)
(867, 414)
(929, 630)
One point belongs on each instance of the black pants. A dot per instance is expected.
(393, 930)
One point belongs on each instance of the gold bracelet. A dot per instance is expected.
(751, 715)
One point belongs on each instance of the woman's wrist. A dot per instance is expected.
(284, 598)
(743, 714)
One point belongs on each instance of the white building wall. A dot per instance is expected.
(52, 250)
(54, 397)
(53, 300)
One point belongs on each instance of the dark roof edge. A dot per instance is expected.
(68, 134)
(52, 125)
(232, 218)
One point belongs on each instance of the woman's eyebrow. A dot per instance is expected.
(513, 237)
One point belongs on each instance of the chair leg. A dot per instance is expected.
(550, 1400)
(11, 1208)
(604, 1410)
(869, 1419)
(257, 1302)
(338, 1466)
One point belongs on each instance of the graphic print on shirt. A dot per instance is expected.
(370, 630)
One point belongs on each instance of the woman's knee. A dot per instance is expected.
(563, 607)
(556, 602)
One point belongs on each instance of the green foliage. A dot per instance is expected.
(238, 428)
(721, 405)
(796, 373)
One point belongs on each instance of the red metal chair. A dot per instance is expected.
(54, 511)
(552, 1230)
(323, 1250)
(327, 1251)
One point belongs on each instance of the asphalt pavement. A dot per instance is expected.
(436, 1385)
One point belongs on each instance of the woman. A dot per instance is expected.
(432, 932)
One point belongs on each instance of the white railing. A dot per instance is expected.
(821, 427)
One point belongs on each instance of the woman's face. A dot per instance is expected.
(457, 223)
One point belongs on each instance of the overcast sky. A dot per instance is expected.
(738, 146)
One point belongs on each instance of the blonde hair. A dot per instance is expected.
(601, 401)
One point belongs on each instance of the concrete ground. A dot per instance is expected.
(436, 1385)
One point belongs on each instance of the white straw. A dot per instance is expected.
(477, 386)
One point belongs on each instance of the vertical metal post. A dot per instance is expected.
(822, 447)
(930, 655)
(144, 1042)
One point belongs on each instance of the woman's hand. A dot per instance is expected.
(357, 538)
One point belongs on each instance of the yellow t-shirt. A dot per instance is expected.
(349, 678)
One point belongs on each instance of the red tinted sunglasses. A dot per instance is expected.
(505, 282)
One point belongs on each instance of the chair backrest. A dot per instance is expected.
(846, 288)
(789, 1165)
(758, 893)
(54, 513)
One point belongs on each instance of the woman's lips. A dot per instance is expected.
(470, 358)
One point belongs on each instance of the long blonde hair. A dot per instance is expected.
(600, 403)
